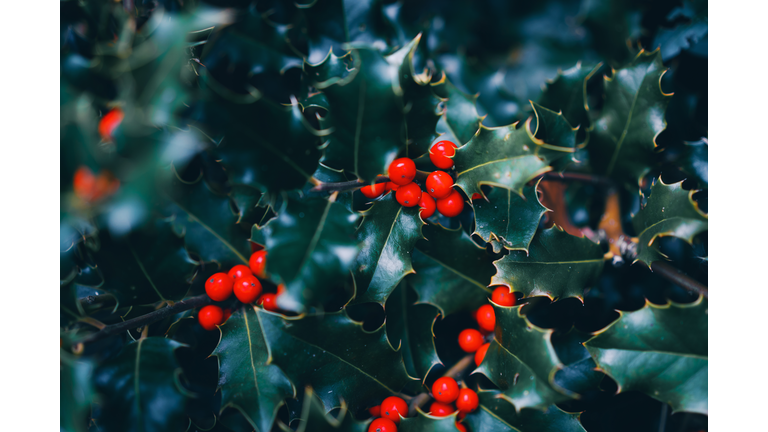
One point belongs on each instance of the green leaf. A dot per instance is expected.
(247, 381)
(335, 356)
(423, 422)
(141, 390)
(681, 37)
(509, 156)
(611, 24)
(388, 234)
(522, 362)
(251, 208)
(311, 246)
(452, 272)
(76, 392)
(568, 93)
(315, 419)
(660, 351)
(410, 329)
(622, 143)
(497, 415)
(460, 121)
(670, 211)
(557, 265)
(507, 219)
(695, 162)
(579, 373)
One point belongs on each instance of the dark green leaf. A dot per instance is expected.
(460, 121)
(660, 351)
(388, 235)
(684, 35)
(557, 265)
(568, 93)
(695, 162)
(670, 211)
(76, 392)
(422, 422)
(315, 419)
(498, 415)
(578, 374)
(251, 208)
(612, 24)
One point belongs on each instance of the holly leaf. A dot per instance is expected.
(335, 356)
(388, 234)
(251, 208)
(140, 388)
(509, 156)
(410, 330)
(695, 162)
(567, 93)
(670, 211)
(311, 245)
(522, 362)
(507, 219)
(579, 373)
(681, 37)
(557, 265)
(660, 351)
(495, 414)
(247, 380)
(76, 392)
(461, 120)
(423, 422)
(622, 143)
(315, 419)
(452, 272)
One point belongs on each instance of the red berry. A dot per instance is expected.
(480, 354)
(441, 153)
(408, 195)
(445, 390)
(109, 123)
(460, 426)
(393, 407)
(476, 196)
(219, 286)
(268, 301)
(239, 271)
(486, 318)
(439, 184)
(227, 314)
(451, 205)
(84, 183)
(280, 289)
(467, 401)
(428, 206)
(470, 340)
(382, 425)
(402, 171)
(375, 190)
(258, 263)
(438, 409)
(210, 316)
(375, 411)
(503, 296)
(247, 288)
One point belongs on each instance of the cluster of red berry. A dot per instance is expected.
(440, 196)
(473, 341)
(242, 281)
(90, 187)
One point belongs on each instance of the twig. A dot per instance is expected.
(455, 371)
(678, 277)
(147, 319)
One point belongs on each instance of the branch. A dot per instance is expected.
(357, 184)
(678, 277)
(147, 319)
(455, 371)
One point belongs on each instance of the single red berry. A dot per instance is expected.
(210, 316)
(461, 427)
(239, 271)
(439, 184)
(392, 186)
(503, 296)
(393, 407)
(402, 171)
(375, 411)
(247, 288)
(258, 263)
(84, 183)
(227, 314)
(476, 196)
(486, 318)
(382, 425)
(374, 190)
(470, 340)
(109, 122)
(106, 184)
(219, 286)
(441, 153)
(268, 301)
(480, 353)
(445, 390)
(408, 195)
(428, 206)
(439, 409)
(467, 401)
(451, 205)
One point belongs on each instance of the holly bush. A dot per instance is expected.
(507, 199)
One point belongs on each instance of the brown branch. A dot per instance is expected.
(676, 276)
(147, 319)
(455, 371)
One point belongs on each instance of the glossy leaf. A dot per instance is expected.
(314, 418)
(508, 219)
(622, 143)
(660, 351)
(452, 272)
(247, 381)
(140, 389)
(388, 234)
(495, 414)
(423, 422)
(522, 362)
(670, 211)
(568, 93)
(695, 162)
(251, 208)
(461, 120)
(682, 36)
(335, 356)
(557, 265)
(76, 392)
(510, 156)
(579, 373)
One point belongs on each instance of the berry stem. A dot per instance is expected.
(455, 371)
